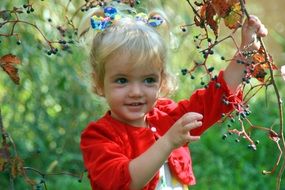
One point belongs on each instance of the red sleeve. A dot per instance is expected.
(207, 101)
(104, 159)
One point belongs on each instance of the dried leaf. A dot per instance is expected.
(222, 7)
(200, 19)
(197, 21)
(17, 166)
(7, 62)
(230, 10)
(9, 58)
(259, 73)
(203, 11)
(211, 21)
(273, 136)
(260, 64)
(259, 58)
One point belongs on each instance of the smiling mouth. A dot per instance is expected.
(135, 104)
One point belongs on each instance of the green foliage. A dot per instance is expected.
(45, 114)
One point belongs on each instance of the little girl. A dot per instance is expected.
(141, 142)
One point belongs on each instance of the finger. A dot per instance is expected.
(252, 24)
(194, 124)
(193, 138)
(253, 20)
(262, 31)
(189, 117)
(255, 24)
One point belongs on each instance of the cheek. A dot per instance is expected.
(112, 100)
(153, 93)
(114, 94)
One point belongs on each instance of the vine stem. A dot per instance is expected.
(279, 100)
(281, 122)
(55, 173)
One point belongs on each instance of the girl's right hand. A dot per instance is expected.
(179, 134)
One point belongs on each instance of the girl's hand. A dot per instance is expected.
(179, 134)
(251, 29)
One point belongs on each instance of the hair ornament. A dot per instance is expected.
(155, 21)
(101, 23)
(111, 14)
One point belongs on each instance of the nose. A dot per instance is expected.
(135, 90)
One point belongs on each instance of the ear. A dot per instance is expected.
(98, 89)
(100, 92)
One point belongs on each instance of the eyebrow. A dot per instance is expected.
(119, 75)
(151, 75)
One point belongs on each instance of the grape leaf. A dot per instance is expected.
(222, 7)
(261, 64)
(230, 11)
(234, 19)
(212, 22)
(206, 16)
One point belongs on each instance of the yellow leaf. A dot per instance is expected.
(234, 19)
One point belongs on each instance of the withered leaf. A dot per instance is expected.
(8, 62)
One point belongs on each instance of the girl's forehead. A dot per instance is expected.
(128, 63)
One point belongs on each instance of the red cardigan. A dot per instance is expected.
(109, 145)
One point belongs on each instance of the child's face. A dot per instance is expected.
(131, 92)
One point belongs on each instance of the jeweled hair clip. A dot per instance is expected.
(111, 14)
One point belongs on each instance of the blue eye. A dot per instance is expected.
(121, 81)
(149, 80)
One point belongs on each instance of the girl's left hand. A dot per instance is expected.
(251, 29)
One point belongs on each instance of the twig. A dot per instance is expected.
(280, 108)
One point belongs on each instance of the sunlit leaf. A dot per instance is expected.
(234, 19)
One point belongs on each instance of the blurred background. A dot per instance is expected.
(46, 113)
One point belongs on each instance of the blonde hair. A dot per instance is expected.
(143, 44)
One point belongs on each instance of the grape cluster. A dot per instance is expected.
(29, 8)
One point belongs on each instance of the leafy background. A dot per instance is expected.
(46, 113)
